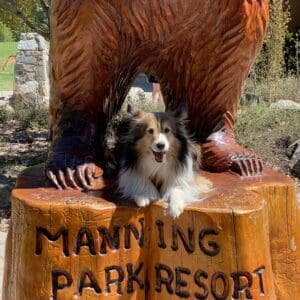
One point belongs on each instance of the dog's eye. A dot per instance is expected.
(167, 130)
(151, 130)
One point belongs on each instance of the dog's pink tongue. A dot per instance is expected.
(159, 156)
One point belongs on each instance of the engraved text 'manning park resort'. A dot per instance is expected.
(173, 279)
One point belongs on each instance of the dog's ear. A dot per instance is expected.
(131, 110)
(181, 112)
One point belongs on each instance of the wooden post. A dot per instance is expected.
(242, 242)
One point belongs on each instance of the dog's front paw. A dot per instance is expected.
(176, 199)
(141, 201)
(175, 209)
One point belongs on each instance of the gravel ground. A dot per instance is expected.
(3, 235)
(19, 149)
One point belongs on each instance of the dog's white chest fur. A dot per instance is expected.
(177, 184)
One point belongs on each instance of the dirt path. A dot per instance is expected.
(3, 235)
(19, 149)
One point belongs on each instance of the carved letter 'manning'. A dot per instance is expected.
(200, 51)
(51, 237)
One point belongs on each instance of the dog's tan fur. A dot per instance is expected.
(143, 146)
(149, 173)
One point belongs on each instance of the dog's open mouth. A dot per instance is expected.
(159, 156)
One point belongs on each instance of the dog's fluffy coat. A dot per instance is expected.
(157, 160)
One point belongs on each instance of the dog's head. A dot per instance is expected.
(161, 135)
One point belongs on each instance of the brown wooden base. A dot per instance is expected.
(242, 242)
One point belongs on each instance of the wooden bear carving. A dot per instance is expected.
(199, 50)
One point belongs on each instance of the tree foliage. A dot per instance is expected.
(270, 63)
(292, 53)
(26, 15)
(275, 41)
(5, 33)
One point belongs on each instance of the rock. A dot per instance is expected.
(5, 190)
(286, 104)
(28, 68)
(31, 85)
(41, 73)
(26, 93)
(28, 45)
(29, 76)
(19, 69)
(8, 108)
(27, 36)
(6, 111)
(4, 225)
(27, 88)
(22, 59)
(294, 154)
(41, 43)
(136, 94)
(44, 89)
(4, 97)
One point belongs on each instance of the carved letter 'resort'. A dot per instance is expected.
(181, 283)
(259, 271)
(160, 280)
(200, 273)
(238, 288)
(217, 294)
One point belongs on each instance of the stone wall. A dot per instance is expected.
(31, 86)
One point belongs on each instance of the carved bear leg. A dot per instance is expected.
(84, 60)
(211, 61)
(221, 152)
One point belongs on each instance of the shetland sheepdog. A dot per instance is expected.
(157, 160)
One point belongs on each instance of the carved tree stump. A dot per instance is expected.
(242, 242)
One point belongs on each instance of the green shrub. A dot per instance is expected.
(5, 34)
(270, 63)
(268, 132)
(31, 117)
(5, 114)
(273, 89)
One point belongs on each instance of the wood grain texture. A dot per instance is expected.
(199, 50)
(241, 242)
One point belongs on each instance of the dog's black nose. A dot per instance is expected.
(160, 146)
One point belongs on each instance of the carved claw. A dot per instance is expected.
(246, 164)
(70, 164)
(53, 179)
(81, 177)
(70, 177)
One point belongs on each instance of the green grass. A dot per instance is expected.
(7, 76)
(268, 132)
